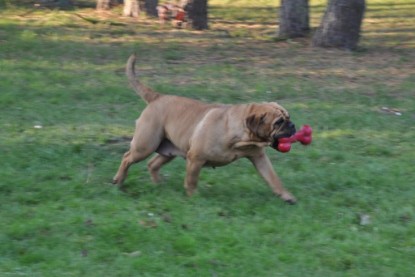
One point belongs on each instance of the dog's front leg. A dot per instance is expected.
(193, 167)
(264, 167)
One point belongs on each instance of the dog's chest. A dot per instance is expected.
(217, 161)
(221, 157)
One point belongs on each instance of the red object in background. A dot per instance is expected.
(180, 15)
(303, 136)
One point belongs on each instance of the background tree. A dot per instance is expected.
(341, 23)
(103, 5)
(150, 7)
(294, 18)
(134, 7)
(198, 14)
(131, 8)
(65, 4)
(61, 4)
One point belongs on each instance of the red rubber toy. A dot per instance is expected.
(303, 136)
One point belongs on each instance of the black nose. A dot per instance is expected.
(291, 126)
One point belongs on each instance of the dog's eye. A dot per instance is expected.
(279, 121)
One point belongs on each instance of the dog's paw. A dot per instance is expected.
(116, 182)
(288, 198)
(291, 201)
(156, 178)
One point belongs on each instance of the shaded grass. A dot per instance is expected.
(61, 217)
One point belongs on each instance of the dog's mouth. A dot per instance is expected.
(276, 139)
(285, 132)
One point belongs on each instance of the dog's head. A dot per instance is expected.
(269, 122)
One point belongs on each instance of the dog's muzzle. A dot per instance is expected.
(286, 131)
(291, 126)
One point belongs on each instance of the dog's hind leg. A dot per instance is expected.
(155, 164)
(130, 157)
(147, 138)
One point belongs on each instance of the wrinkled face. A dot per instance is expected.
(269, 122)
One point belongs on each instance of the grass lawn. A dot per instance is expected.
(67, 113)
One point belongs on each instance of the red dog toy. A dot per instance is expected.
(303, 136)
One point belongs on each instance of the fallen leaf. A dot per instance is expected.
(84, 253)
(166, 218)
(148, 223)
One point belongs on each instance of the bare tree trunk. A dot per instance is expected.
(131, 8)
(61, 4)
(103, 5)
(134, 7)
(198, 14)
(151, 7)
(294, 18)
(340, 27)
(65, 4)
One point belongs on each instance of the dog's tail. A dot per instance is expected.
(144, 92)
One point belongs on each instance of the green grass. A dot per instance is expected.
(66, 109)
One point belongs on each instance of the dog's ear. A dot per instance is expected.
(254, 123)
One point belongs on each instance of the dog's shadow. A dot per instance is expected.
(221, 185)
(215, 189)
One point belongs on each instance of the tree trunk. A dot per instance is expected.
(65, 4)
(61, 4)
(131, 8)
(151, 7)
(340, 27)
(134, 7)
(197, 13)
(294, 18)
(103, 5)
